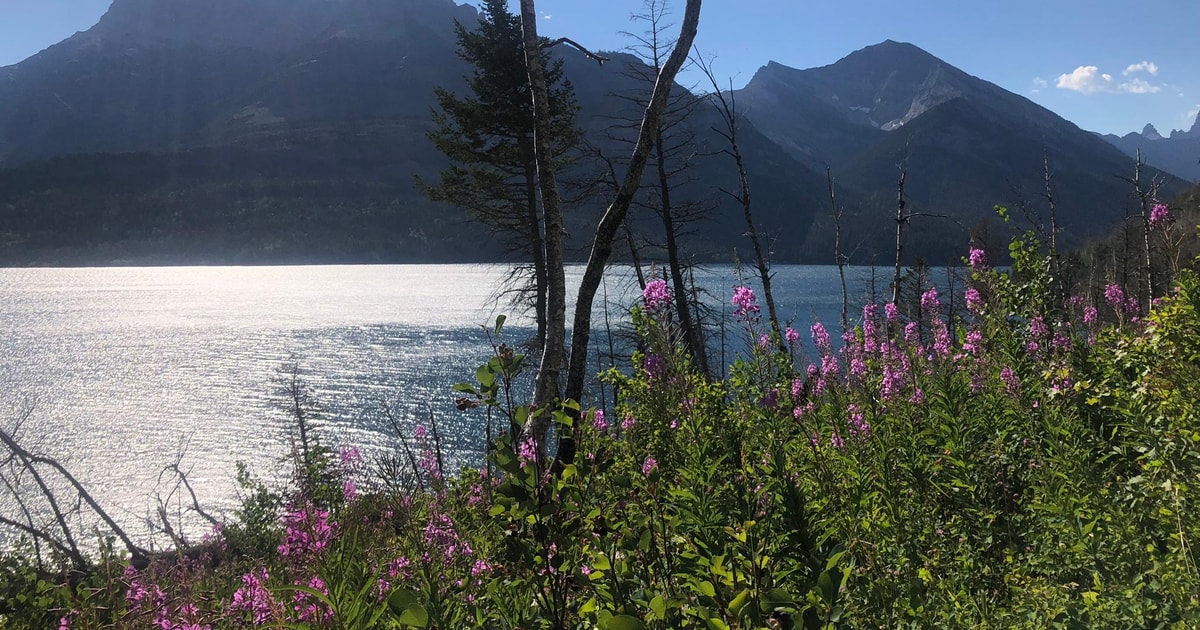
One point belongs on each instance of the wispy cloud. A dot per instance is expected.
(1191, 114)
(547, 16)
(1089, 80)
(1038, 84)
(1145, 66)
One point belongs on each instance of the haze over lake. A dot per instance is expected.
(122, 369)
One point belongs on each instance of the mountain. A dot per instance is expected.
(1178, 153)
(965, 143)
(230, 131)
(291, 131)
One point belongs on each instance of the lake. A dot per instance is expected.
(119, 372)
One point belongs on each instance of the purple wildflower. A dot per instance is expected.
(656, 294)
(791, 336)
(654, 366)
(649, 466)
(912, 333)
(1091, 316)
(253, 597)
(930, 304)
(309, 532)
(891, 312)
(527, 453)
(1160, 217)
(628, 422)
(746, 303)
(820, 338)
(974, 300)
(977, 259)
(598, 420)
(1115, 296)
(1011, 383)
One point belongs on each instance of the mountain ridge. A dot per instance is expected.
(342, 90)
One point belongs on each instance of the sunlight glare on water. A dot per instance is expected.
(123, 370)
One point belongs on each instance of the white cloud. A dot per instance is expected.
(1191, 114)
(1089, 80)
(1145, 66)
(1086, 79)
(1138, 86)
(547, 16)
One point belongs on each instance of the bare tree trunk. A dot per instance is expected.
(633, 253)
(546, 388)
(1060, 285)
(614, 216)
(837, 248)
(691, 330)
(901, 220)
(727, 108)
(538, 248)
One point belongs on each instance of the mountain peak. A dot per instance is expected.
(1150, 133)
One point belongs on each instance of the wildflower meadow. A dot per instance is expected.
(1025, 460)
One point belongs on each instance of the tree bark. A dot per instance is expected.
(546, 388)
(538, 248)
(691, 332)
(614, 216)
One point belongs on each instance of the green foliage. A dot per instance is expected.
(1039, 471)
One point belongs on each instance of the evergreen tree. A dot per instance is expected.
(488, 135)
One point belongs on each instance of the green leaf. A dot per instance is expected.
(625, 622)
(659, 607)
(739, 602)
(500, 319)
(415, 616)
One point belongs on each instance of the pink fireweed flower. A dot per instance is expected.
(1010, 380)
(1115, 296)
(974, 342)
(654, 366)
(253, 597)
(350, 457)
(310, 609)
(791, 336)
(656, 294)
(527, 452)
(309, 532)
(598, 420)
(917, 397)
(628, 422)
(1160, 217)
(649, 466)
(836, 440)
(930, 304)
(1091, 316)
(868, 326)
(1037, 328)
(1131, 305)
(820, 338)
(977, 259)
(891, 312)
(912, 333)
(349, 490)
(858, 426)
(764, 342)
(974, 300)
(941, 339)
(746, 303)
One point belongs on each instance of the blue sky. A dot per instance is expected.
(1107, 66)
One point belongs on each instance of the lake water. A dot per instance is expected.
(120, 371)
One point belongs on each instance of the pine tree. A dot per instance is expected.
(488, 135)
